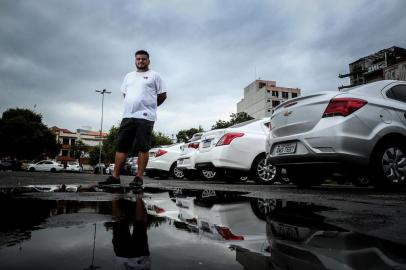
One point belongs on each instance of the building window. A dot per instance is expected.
(275, 103)
(294, 95)
(285, 95)
(268, 100)
(275, 93)
(261, 84)
(268, 91)
(65, 141)
(65, 153)
(72, 141)
(269, 110)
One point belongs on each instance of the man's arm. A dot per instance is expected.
(161, 98)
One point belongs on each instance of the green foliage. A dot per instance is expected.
(110, 144)
(158, 138)
(23, 135)
(185, 134)
(79, 147)
(235, 118)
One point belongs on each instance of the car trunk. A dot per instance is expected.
(300, 115)
(210, 139)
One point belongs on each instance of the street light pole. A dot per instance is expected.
(104, 91)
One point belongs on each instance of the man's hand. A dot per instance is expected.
(161, 98)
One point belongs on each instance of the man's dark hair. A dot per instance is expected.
(142, 52)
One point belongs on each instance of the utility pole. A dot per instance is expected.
(104, 91)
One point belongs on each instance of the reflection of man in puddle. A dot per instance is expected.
(131, 249)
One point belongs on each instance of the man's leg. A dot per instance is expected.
(142, 163)
(119, 163)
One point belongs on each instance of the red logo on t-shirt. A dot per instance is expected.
(146, 78)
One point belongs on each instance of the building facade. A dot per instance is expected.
(383, 65)
(68, 140)
(261, 97)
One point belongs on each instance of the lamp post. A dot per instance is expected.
(104, 91)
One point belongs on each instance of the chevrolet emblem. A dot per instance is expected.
(287, 113)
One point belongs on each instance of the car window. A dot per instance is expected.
(42, 162)
(397, 92)
(48, 162)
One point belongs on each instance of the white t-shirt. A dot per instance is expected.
(141, 90)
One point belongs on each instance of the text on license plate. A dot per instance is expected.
(286, 148)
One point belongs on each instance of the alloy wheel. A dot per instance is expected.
(208, 174)
(266, 172)
(394, 165)
(178, 173)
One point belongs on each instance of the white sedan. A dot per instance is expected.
(238, 151)
(73, 167)
(163, 161)
(46, 165)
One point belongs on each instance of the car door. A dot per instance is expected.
(40, 166)
(398, 93)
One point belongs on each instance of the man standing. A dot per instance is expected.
(143, 90)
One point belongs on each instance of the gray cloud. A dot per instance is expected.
(56, 53)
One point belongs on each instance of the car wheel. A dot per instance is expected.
(388, 166)
(175, 172)
(53, 170)
(303, 177)
(262, 207)
(208, 174)
(32, 169)
(263, 173)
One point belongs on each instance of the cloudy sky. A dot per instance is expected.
(54, 54)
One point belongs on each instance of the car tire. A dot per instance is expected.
(32, 169)
(388, 166)
(264, 174)
(53, 170)
(304, 177)
(175, 172)
(262, 207)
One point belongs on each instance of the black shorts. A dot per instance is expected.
(134, 130)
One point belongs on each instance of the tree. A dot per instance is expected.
(185, 134)
(24, 136)
(110, 144)
(78, 148)
(158, 138)
(94, 156)
(235, 118)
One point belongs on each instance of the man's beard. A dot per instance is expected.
(144, 67)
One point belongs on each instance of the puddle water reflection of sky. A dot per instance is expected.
(188, 229)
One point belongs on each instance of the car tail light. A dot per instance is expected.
(228, 138)
(160, 152)
(158, 210)
(343, 106)
(227, 234)
(193, 145)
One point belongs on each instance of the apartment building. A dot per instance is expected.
(387, 64)
(261, 96)
(68, 139)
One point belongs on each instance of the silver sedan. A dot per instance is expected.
(360, 131)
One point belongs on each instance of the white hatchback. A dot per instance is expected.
(163, 161)
(238, 151)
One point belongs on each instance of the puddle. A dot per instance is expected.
(179, 229)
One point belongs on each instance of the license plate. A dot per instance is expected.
(206, 143)
(286, 148)
(287, 232)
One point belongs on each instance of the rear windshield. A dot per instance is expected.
(244, 123)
